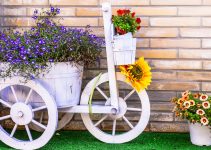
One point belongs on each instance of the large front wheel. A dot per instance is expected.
(131, 119)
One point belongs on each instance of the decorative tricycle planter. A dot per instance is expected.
(59, 91)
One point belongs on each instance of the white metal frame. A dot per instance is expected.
(116, 108)
(108, 30)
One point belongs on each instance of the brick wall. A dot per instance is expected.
(175, 38)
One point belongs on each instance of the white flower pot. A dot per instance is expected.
(200, 135)
(124, 49)
(63, 82)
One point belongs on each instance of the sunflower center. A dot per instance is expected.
(137, 72)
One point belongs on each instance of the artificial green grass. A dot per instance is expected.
(82, 140)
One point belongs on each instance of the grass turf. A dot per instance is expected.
(82, 140)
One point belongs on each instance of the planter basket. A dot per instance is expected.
(63, 82)
(124, 49)
(200, 135)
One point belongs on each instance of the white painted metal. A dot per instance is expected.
(5, 103)
(13, 130)
(124, 49)
(14, 94)
(114, 127)
(108, 30)
(63, 81)
(21, 113)
(66, 117)
(200, 135)
(24, 113)
(85, 109)
(128, 135)
(101, 120)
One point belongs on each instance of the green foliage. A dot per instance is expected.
(126, 22)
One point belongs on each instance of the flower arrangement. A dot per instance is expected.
(125, 22)
(194, 107)
(30, 53)
(138, 74)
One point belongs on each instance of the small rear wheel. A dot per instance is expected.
(19, 112)
(133, 115)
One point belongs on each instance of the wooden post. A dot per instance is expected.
(108, 31)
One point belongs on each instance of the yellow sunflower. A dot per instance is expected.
(138, 74)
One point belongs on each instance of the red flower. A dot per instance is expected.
(138, 20)
(133, 14)
(120, 12)
(126, 11)
(120, 31)
(138, 27)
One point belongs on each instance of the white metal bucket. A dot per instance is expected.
(200, 135)
(63, 82)
(124, 50)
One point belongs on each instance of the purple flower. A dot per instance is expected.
(32, 77)
(34, 17)
(41, 41)
(47, 42)
(52, 9)
(36, 11)
(57, 10)
(51, 60)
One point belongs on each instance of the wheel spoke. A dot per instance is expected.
(128, 122)
(41, 116)
(126, 97)
(102, 93)
(134, 109)
(13, 91)
(39, 108)
(13, 130)
(38, 124)
(5, 103)
(28, 96)
(114, 127)
(28, 132)
(5, 117)
(101, 120)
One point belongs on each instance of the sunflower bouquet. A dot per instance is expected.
(194, 107)
(138, 75)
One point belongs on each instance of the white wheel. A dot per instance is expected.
(19, 112)
(63, 120)
(101, 127)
